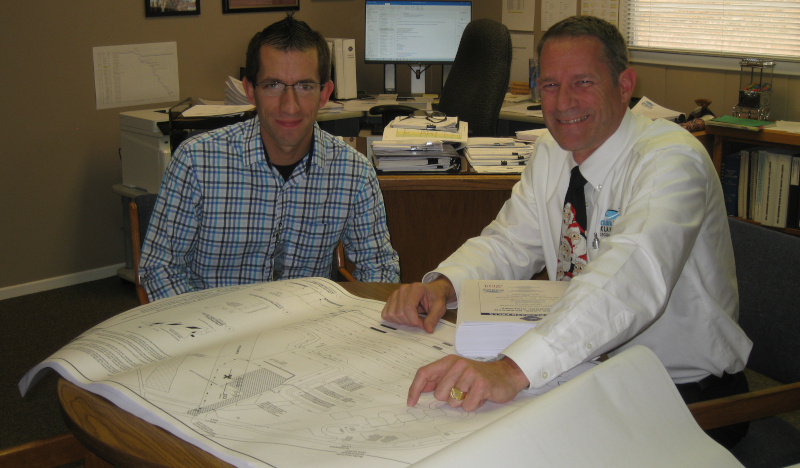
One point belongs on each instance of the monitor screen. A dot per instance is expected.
(414, 31)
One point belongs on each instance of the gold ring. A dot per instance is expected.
(457, 394)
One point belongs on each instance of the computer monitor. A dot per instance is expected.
(414, 31)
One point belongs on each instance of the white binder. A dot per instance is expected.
(344, 67)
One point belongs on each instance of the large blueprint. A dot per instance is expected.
(290, 373)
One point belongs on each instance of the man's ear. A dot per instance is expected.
(249, 90)
(325, 93)
(627, 83)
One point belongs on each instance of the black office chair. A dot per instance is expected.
(766, 271)
(477, 82)
(479, 78)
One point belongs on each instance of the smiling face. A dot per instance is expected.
(582, 104)
(287, 120)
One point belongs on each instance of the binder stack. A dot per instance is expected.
(497, 155)
(415, 156)
(343, 60)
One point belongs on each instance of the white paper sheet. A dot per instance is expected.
(130, 75)
(625, 412)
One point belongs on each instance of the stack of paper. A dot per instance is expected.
(531, 135)
(234, 92)
(447, 133)
(492, 314)
(331, 107)
(414, 155)
(497, 155)
(648, 108)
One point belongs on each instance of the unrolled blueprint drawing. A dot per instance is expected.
(289, 373)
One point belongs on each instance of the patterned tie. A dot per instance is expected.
(572, 254)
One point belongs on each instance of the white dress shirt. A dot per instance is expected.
(661, 272)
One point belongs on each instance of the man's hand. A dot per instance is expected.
(499, 381)
(406, 304)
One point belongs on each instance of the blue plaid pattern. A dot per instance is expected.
(223, 211)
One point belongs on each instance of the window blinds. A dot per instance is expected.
(720, 27)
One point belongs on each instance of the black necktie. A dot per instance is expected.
(572, 255)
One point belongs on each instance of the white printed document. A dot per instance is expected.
(492, 314)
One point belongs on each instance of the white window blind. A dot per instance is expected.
(714, 27)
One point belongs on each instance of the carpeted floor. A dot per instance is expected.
(35, 326)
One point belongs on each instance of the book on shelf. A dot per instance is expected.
(744, 176)
(763, 184)
(740, 123)
(492, 314)
(731, 170)
(793, 205)
(779, 189)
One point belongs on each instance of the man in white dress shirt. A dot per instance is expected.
(659, 271)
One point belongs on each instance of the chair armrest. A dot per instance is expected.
(746, 406)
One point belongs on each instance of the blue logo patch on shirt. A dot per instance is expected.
(607, 223)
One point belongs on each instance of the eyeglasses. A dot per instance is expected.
(432, 116)
(302, 89)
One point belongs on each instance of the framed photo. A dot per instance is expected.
(171, 7)
(244, 6)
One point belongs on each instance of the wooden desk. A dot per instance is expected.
(126, 440)
(430, 216)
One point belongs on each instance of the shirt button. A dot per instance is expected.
(588, 345)
(544, 374)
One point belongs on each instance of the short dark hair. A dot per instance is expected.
(614, 48)
(285, 35)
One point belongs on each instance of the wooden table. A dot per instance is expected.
(126, 440)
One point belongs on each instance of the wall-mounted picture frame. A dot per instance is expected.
(153, 8)
(246, 6)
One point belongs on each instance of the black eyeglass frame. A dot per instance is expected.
(429, 115)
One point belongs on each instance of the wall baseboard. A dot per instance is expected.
(59, 281)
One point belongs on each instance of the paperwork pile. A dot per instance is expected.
(531, 135)
(423, 129)
(497, 155)
(648, 108)
(492, 314)
(414, 155)
(234, 92)
(420, 144)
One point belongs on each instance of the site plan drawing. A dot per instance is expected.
(289, 373)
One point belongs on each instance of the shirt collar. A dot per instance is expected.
(254, 150)
(597, 166)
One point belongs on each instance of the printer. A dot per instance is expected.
(148, 138)
(145, 147)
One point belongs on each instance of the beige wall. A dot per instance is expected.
(60, 155)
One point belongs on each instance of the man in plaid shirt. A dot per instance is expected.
(269, 198)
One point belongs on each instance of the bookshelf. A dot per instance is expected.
(727, 140)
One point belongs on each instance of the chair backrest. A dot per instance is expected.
(768, 274)
(140, 211)
(479, 78)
